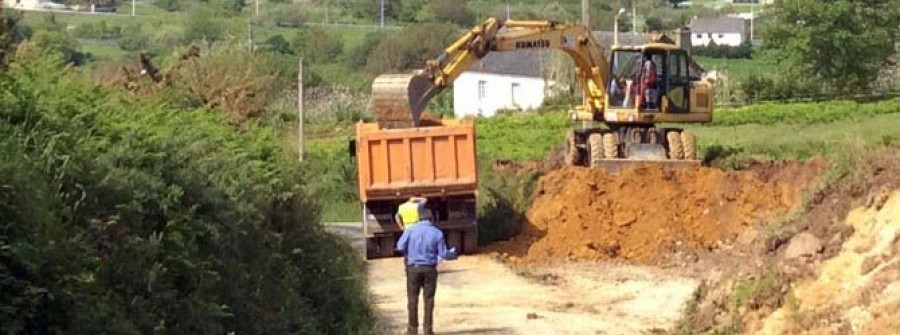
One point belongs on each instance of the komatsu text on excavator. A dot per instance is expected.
(630, 93)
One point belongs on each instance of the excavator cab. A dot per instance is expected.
(649, 82)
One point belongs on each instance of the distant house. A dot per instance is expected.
(501, 80)
(24, 4)
(723, 31)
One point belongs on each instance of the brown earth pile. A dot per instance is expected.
(581, 213)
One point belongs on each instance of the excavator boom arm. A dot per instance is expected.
(493, 35)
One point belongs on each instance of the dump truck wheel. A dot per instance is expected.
(573, 156)
(386, 246)
(454, 239)
(610, 145)
(470, 241)
(675, 149)
(595, 142)
(372, 248)
(689, 145)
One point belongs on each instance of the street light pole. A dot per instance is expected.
(633, 21)
(616, 26)
(132, 8)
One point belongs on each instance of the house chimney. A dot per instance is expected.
(683, 38)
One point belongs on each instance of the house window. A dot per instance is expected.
(721, 36)
(699, 35)
(482, 89)
(514, 93)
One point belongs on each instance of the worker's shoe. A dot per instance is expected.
(412, 330)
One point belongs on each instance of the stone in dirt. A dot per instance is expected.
(804, 244)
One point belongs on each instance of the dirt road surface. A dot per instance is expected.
(480, 295)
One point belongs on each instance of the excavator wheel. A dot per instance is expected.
(595, 143)
(688, 144)
(676, 151)
(610, 145)
(573, 156)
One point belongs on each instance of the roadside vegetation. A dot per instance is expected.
(153, 208)
(150, 181)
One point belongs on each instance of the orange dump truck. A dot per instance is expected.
(437, 162)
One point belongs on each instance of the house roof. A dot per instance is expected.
(520, 63)
(718, 25)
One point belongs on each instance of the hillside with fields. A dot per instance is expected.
(153, 180)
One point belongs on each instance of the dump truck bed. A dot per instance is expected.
(429, 161)
(436, 162)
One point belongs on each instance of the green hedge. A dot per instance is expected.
(126, 216)
(803, 113)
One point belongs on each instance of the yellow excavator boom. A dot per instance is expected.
(399, 99)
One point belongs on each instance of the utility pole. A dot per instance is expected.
(300, 143)
(752, 16)
(586, 13)
(381, 10)
(507, 10)
(250, 36)
(132, 8)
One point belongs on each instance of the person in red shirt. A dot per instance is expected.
(647, 82)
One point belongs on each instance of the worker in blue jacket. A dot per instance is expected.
(424, 247)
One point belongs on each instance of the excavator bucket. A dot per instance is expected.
(399, 99)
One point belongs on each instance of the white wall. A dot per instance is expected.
(498, 93)
(732, 39)
(22, 4)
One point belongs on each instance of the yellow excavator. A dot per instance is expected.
(637, 88)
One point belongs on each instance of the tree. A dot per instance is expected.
(452, 11)
(653, 24)
(318, 45)
(844, 44)
(675, 3)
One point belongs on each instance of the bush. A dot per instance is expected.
(98, 30)
(278, 44)
(293, 16)
(122, 216)
(204, 25)
(229, 78)
(169, 5)
(745, 50)
(133, 39)
(55, 42)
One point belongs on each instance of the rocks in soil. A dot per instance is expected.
(803, 245)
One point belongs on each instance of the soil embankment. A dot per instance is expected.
(642, 213)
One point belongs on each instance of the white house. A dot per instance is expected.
(23, 4)
(500, 80)
(723, 31)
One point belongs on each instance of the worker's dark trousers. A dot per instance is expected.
(422, 278)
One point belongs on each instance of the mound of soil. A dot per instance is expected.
(638, 214)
